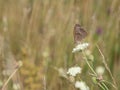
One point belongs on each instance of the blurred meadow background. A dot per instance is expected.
(39, 33)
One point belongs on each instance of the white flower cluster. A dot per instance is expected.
(100, 70)
(73, 71)
(80, 47)
(81, 85)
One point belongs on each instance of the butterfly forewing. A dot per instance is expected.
(79, 33)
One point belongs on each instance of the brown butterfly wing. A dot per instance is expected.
(79, 33)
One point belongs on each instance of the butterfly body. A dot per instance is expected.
(79, 34)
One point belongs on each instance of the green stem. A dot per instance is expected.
(110, 84)
(101, 86)
(105, 86)
(89, 65)
(95, 73)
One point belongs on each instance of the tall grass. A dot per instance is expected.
(40, 34)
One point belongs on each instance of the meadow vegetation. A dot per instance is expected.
(36, 40)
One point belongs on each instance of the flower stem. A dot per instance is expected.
(101, 86)
(105, 86)
(89, 65)
(106, 66)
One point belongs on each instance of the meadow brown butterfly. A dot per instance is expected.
(79, 33)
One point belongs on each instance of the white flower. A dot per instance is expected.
(73, 71)
(20, 63)
(16, 86)
(80, 47)
(81, 85)
(100, 70)
(62, 72)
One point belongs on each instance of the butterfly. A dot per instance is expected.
(79, 34)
